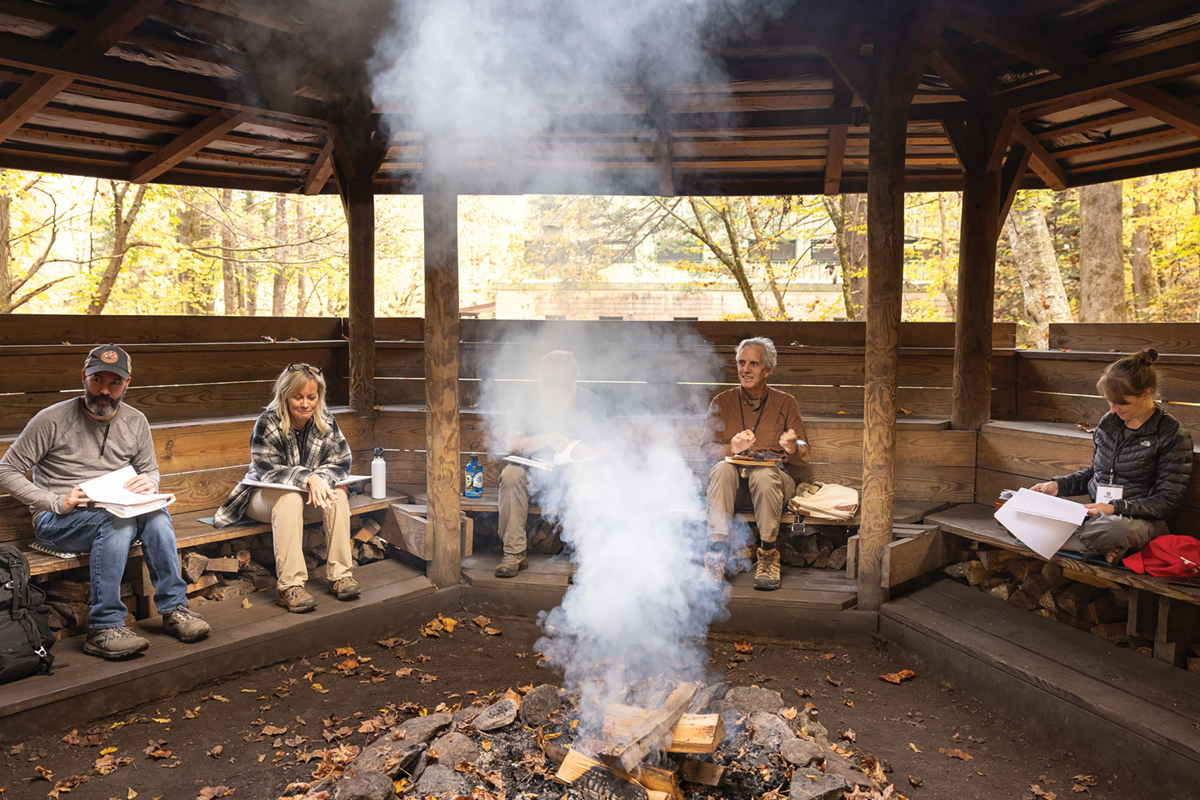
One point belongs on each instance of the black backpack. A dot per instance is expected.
(25, 635)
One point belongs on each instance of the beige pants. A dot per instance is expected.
(514, 508)
(287, 512)
(767, 488)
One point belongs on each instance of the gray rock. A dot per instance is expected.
(770, 730)
(539, 703)
(820, 787)
(365, 786)
(496, 716)
(464, 716)
(809, 725)
(399, 748)
(439, 779)
(321, 787)
(452, 749)
(747, 699)
(801, 752)
(836, 765)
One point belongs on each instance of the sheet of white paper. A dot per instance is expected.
(110, 489)
(530, 462)
(1041, 522)
(128, 512)
(268, 485)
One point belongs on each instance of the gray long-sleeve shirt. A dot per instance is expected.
(62, 446)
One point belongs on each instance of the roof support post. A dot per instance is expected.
(360, 219)
(895, 79)
(442, 330)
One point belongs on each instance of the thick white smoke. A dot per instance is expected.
(638, 610)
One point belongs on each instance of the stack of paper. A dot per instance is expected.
(268, 485)
(109, 492)
(1042, 522)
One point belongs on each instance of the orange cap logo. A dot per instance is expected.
(109, 356)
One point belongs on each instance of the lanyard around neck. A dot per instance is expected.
(742, 411)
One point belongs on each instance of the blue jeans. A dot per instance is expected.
(108, 539)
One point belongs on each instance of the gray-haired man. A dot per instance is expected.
(752, 421)
(80, 439)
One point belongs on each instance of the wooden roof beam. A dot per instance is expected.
(1011, 175)
(187, 144)
(659, 115)
(826, 34)
(1049, 170)
(1163, 106)
(115, 22)
(322, 168)
(835, 152)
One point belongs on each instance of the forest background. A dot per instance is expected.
(1109, 253)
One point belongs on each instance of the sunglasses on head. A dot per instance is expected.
(308, 367)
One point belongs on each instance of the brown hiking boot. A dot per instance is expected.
(114, 643)
(714, 567)
(296, 600)
(345, 588)
(510, 565)
(186, 625)
(766, 575)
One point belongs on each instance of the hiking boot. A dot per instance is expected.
(766, 574)
(510, 565)
(345, 588)
(296, 600)
(186, 625)
(114, 643)
(714, 567)
(571, 574)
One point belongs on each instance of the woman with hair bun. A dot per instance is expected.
(1140, 468)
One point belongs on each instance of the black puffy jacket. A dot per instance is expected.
(1153, 466)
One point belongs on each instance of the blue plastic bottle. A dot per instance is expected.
(474, 478)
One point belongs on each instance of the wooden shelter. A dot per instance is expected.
(980, 96)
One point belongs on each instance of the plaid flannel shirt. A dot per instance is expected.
(276, 458)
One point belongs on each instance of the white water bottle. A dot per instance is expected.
(378, 476)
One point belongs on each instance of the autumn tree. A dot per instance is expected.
(1101, 254)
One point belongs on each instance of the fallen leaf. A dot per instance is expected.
(215, 752)
(162, 720)
(108, 750)
(913, 747)
(788, 713)
(220, 698)
(155, 750)
(955, 753)
(897, 677)
(848, 734)
(486, 745)
(915, 782)
(44, 774)
(404, 672)
(873, 769)
(482, 621)
(246, 602)
(316, 687)
(132, 794)
(491, 631)
(108, 764)
(66, 785)
(743, 646)
(833, 682)
(1083, 783)
(343, 651)
(449, 623)
(1045, 794)
(210, 792)
(273, 730)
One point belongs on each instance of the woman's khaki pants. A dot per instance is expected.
(287, 512)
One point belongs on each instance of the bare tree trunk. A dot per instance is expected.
(1145, 282)
(1041, 282)
(6, 277)
(228, 268)
(854, 208)
(1101, 254)
(301, 269)
(122, 225)
(280, 282)
(834, 209)
(249, 266)
(186, 233)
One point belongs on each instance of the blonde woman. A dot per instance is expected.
(296, 442)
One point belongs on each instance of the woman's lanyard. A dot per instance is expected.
(742, 413)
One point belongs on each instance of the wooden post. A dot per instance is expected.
(360, 219)
(441, 363)
(981, 150)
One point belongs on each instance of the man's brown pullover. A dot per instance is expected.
(730, 413)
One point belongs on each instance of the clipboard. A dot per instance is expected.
(1041, 522)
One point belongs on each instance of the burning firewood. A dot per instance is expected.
(628, 754)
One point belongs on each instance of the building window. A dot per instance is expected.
(686, 319)
(612, 319)
(556, 316)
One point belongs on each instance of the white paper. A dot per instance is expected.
(110, 490)
(268, 485)
(1040, 521)
(128, 512)
(536, 463)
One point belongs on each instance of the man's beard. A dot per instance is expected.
(100, 405)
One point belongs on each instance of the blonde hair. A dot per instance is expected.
(292, 380)
(1129, 377)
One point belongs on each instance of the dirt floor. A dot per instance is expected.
(250, 734)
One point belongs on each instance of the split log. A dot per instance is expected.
(973, 572)
(1047, 602)
(1054, 574)
(837, 559)
(68, 591)
(1193, 665)
(1075, 598)
(708, 774)
(1035, 585)
(1112, 631)
(998, 559)
(228, 564)
(693, 733)
(1021, 570)
(193, 566)
(203, 582)
(75, 614)
(370, 528)
(1020, 599)
(243, 558)
(660, 784)
(1003, 591)
(1104, 609)
(629, 753)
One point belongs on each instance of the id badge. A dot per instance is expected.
(1108, 492)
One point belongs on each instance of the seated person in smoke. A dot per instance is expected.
(752, 420)
(1141, 465)
(565, 419)
(296, 442)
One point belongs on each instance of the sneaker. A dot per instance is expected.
(296, 600)
(186, 625)
(345, 588)
(766, 574)
(714, 567)
(114, 643)
(510, 565)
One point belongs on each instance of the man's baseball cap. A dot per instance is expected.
(107, 358)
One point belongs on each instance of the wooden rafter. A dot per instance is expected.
(827, 35)
(1049, 170)
(1011, 175)
(186, 144)
(322, 168)
(919, 43)
(957, 74)
(112, 24)
(835, 151)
